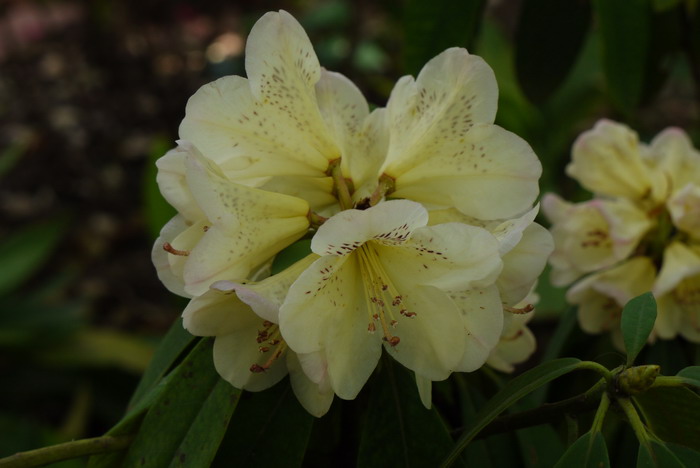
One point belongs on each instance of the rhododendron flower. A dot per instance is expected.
(517, 343)
(386, 277)
(294, 150)
(225, 230)
(641, 234)
(249, 351)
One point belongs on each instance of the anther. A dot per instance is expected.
(524, 310)
(170, 249)
(263, 349)
(257, 369)
(371, 328)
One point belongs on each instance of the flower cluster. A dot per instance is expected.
(640, 233)
(420, 216)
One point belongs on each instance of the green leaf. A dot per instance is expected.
(589, 451)
(638, 317)
(268, 429)
(186, 423)
(511, 393)
(691, 375)
(625, 26)
(291, 255)
(673, 414)
(549, 37)
(657, 455)
(396, 420)
(690, 458)
(167, 353)
(540, 446)
(433, 26)
(25, 251)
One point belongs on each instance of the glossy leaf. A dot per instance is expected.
(673, 414)
(396, 420)
(638, 317)
(589, 451)
(540, 446)
(171, 347)
(657, 455)
(689, 457)
(24, 251)
(189, 418)
(549, 37)
(625, 27)
(511, 393)
(268, 429)
(691, 375)
(433, 26)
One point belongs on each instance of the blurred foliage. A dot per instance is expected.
(75, 332)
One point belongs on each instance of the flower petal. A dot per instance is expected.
(674, 155)
(684, 208)
(248, 227)
(161, 260)
(680, 262)
(215, 313)
(391, 222)
(482, 318)
(234, 354)
(453, 91)
(432, 342)
(524, 263)
(449, 256)
(173, 186)
(326, 309)
(314, 398)
(425, 391)
(607, 160)
(488, 174)
(266, 297)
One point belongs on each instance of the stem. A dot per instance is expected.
(386, 185)
(547, 413)
(315, 220)
(602, 370)
(341, 185)
(637, 425)
(600, 414)
(669, 381)
(66, 451)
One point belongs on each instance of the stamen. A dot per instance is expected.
(524, 310)
(172, 250)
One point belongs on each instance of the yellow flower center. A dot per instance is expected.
(383, 299)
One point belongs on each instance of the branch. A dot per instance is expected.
(66, 451)
(547, 413)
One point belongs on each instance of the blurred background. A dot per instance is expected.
(92, 93)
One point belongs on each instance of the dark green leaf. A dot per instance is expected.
(169, 350)
(193, 408)
(625, 26)
(638, 317)
(23, 252)
(673, 414)
(268, 429)
(511, 393)
(540, 446)
(691, 375)
(396, 420)
(291, 255)
(589, 451)
(567, 324)
(549, 37)
(657, 455)
(689, 457)
(430, 27)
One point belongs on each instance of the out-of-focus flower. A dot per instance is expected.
(384, 276)
(640, 233)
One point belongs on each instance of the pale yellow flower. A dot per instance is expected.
(249, 351)
(426, 292)
(226, 230)
(517, 342)
(644, 225)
